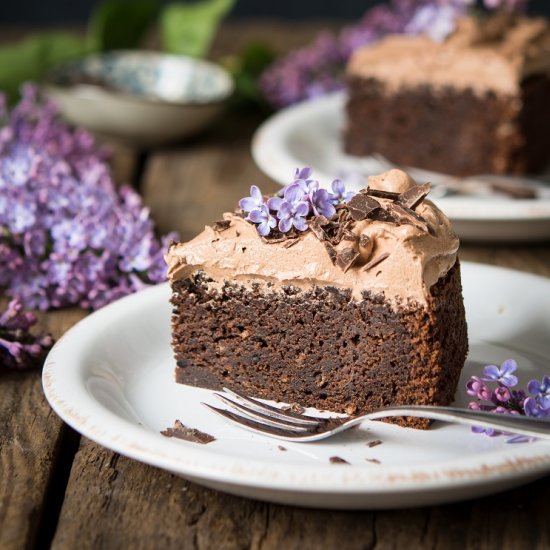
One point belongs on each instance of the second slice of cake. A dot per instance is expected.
(346, 313)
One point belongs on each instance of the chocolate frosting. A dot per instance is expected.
(494, 54)
(413, 259)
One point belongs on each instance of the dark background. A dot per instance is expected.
(74, 11)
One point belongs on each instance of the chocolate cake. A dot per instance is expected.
(476, 103)
(353, 313)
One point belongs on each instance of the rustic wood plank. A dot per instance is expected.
(30, 436)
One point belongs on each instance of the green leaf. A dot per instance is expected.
(120, 24)
(246, 69)
(188, 29)
(32, 58)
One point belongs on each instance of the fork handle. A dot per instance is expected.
(521, 425)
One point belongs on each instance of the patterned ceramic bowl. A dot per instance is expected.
(140, 98)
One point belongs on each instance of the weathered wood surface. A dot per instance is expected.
(113, 502)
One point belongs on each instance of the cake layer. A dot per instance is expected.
(318, 347)
(449, 130)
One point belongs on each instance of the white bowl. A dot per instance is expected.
(141, 98)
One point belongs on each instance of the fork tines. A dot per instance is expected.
(264, 418)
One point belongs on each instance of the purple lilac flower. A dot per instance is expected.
(541, 391)
(293, 215)
(19, 348)
(339, 193)
(434, 20)
(318, 68)
(503, 374)
(254, 202)
(322, 203)
(501, 399)
(266, 222)
(533, 408)
(68, 236)
(294, 203)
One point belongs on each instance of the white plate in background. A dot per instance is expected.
(310, 134)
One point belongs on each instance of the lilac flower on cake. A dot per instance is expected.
(261, 216)
(339, 193)
(68, 236)
(494, 393)
(294, 205)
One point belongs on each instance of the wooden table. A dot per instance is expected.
(58, 488)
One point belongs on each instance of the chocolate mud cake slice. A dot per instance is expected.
(347, 310)
(476, 103)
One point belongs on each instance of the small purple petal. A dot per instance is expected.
(285, 225)
(300, 224)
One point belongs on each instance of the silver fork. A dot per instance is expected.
(259, 417)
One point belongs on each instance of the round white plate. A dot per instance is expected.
(111, 378)
(310, 134)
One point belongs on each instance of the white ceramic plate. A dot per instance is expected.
(309, 134)
(111, 378)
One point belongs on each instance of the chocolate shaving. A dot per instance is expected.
(381, 215)
(360, 206)
(364, 241)
(346, 258)
(374, 443)
(193, 435)
(412, 197)
(331, 252)
(349, 236)
(391, 195)
(337, 460)
(373, 460)
(376, 261)
(316, 227)
(290, 243)
(221, 225)
(402, 214)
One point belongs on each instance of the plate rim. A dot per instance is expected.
(199, 463)
(278, 164)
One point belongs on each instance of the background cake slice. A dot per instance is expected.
(476, 103)
(353, 313)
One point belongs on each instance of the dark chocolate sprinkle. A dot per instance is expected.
(331, 252)
(391, 195)
(193, 435)
(281, 448)
(346, 258)
(376, 261)
(337, 460)
(221, 225)
(360, 206)
(374, 443)
(412, 197)
(402, 214)
(364, 241)
(373, 460)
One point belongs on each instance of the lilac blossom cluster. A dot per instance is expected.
(296, 202)
(494, 392)
(19, 348)
(318, 68)
(68, 236)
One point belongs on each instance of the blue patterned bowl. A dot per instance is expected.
(141, 98)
